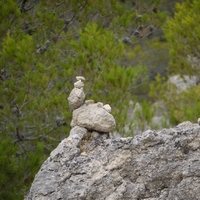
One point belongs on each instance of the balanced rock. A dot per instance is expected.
(78, 84)
(93, 117)
(80, 78)
(76, 98)
(77, 95)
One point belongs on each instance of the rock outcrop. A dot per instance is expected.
(163, 165)
(90, 165)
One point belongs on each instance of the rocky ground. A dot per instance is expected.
(163, 165)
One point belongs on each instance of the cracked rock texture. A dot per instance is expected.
(156, 165)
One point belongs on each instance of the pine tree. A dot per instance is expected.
(43, 46)
(182, 34)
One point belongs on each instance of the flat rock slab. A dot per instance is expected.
(162, 165)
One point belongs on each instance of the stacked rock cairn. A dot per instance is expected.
(88, 114)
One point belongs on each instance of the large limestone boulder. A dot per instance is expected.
(156, 165)
(94, 117)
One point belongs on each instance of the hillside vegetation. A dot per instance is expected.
(119, 46)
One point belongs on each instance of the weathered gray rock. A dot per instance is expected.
(80, 78)
(183, 83)
(107, 108)
(76, 98)
(93, 117)
(79, 84)
(77, 95)
(162, 165)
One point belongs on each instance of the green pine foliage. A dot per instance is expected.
(43, 46)
(183, 34)
(166, 93)
(16, 169)
(8, 169)
(178, 104)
